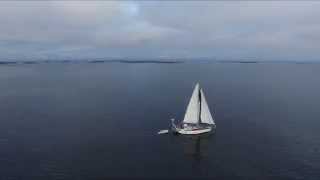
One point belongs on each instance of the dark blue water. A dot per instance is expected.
(96, 121)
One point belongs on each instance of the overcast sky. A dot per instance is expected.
(257, 30)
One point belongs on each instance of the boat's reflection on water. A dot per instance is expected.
(196, 146)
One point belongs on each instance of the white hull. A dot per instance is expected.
(192, 131)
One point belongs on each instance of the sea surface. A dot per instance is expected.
(100, 120)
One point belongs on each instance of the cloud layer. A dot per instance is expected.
(259, 30)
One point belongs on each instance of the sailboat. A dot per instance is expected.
(197, 119)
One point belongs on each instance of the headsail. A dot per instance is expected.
(205, 112)
(192, 113)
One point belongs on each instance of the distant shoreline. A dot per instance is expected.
(239, 62)
(134, 61)
(90, 61)
(8, 62)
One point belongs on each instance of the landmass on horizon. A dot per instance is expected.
(151, 61)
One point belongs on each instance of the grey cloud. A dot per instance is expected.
(274, 30)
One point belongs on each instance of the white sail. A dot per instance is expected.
(205, 112)
(192, 113)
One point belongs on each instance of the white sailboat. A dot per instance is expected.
(197, 119)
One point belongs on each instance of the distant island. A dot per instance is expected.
(135, 61)
(240, 61)
(8, 62)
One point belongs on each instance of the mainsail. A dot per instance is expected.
(192, 112)
(205, 112)
(198, 110)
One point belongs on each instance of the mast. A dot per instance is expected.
(199, 97)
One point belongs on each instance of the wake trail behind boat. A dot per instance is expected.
(164, 131)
